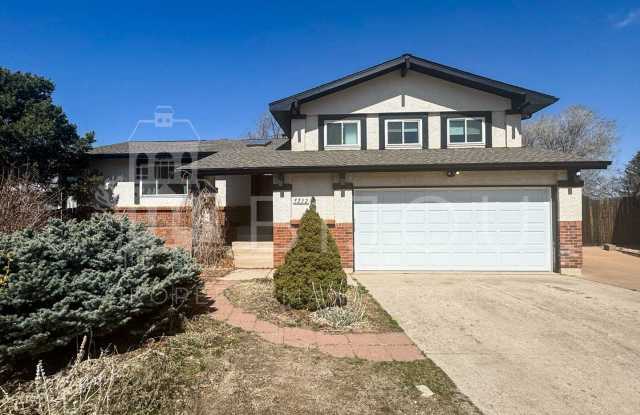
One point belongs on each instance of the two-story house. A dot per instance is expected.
(413, 165)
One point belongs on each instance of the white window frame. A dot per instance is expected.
(152, 167)
(403, 145)
(342, 146)
(467, 143)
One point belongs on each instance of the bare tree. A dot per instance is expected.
(631, 181)
(23, 204)
(581, 131)
(208, 229)
(266, 127)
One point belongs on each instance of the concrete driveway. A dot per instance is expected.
(523, 343)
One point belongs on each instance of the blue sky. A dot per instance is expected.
(219, 65)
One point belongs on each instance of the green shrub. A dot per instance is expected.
(312, 273)
(90, 277)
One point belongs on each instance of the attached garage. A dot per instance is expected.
(453, 229)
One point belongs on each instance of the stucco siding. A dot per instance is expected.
(498, 129)
(373, 127)
(433, 124)
(298, 128)
(570, 204)
(120, 171)
(311, 133)
(469, 178)
(513, 130)
(415, 92)
(306, 186)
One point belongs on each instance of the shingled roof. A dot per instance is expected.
(256, 160)
(179, 146)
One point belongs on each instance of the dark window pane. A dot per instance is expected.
(456, 131)
(334, 134)
(474, 131)
(411, 132)
(149, 188)
(264, 211)
(172, 188)
(394, 132)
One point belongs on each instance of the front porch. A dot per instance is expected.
(247, 202)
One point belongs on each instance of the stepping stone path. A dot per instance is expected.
(370, 346)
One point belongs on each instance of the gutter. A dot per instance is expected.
(577, 165)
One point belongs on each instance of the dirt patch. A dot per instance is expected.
(256, 296)
(213, 273)
(265, 378)
(212, 368)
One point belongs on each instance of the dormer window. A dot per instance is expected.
(406, 133)
(466, 131)
(342, 134)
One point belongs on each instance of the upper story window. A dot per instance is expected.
(342, 134)
(403, 133)
(462, 131)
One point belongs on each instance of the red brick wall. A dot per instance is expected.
(284, 234)
(158, 216)
(343, 234)
(570, 244)
(171, 225)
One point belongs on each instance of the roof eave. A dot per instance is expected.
(574, 165)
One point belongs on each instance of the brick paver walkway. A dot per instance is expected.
(371, 346)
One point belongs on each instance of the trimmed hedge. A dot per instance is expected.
(95, 276)
(312, 275)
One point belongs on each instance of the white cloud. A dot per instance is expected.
(632, 17)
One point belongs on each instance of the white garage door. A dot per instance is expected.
(466, 229)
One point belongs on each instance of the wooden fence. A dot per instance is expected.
(615, 221)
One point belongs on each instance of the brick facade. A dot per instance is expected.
(284, 235)
(343, 234)
(570, 244)
(170, 224)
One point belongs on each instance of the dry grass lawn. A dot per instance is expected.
(256, 296)
(215, 369)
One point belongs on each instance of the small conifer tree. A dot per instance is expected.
(312, 275)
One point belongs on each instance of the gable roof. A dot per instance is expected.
(523, 101)
(271, 160)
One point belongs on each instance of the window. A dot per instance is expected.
(465, 131)
(403, 133)
(344, 134)
(161, 178)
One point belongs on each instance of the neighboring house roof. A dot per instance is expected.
(127, 148)
(523, 101)
(256, 160)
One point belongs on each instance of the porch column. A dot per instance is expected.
(343, 230)
(570, 229)
(283, 232)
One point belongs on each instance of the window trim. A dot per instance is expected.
(403, 144)
(153, 166)
(356, 146)
(466, 143)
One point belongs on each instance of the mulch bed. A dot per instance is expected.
(256, 296)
